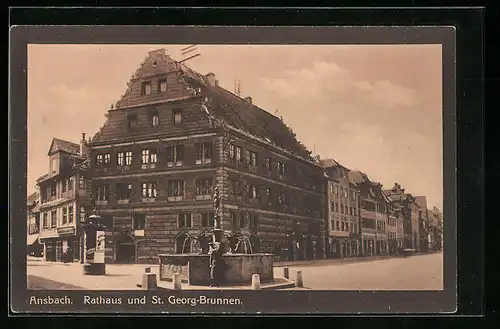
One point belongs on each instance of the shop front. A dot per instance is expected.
(63, 248)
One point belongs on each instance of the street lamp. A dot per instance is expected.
(94, 246)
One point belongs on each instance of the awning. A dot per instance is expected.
(30, 239)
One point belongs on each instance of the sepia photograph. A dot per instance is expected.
(294, 167)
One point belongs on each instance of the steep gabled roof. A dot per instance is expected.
(60, 145)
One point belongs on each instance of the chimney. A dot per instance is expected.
(249, 99)
(211, 79)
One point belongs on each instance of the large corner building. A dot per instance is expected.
(176, 134)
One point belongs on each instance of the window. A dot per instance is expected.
(234, 187)
(98, 160)
(145, 157)
(343, 228)
(207, 219)
(139, 221)
(70, 214)
(355, 211)
(238, 154)
(128, 158)
(53, 218)
(162, 85)
(120, 158)
(336, 207)
(64, 185)
(354, 195)
(45, 220)
(184, 220)
(54, 165)
(81, 183)
(175, 155)
(268, 163)
(355, 228)
(251, 158)
(177, 114)
(281, 168)
(350, 211)
(281, 198)
(71, 181)
(123, 191)
(346, 194)
(231, 152)
(341, 208)
(254, 221)
(107, 158)
(154, 118)
(149, 157)
(350, 229)
(337, 225)
(234, 153)
(253, 191)
(203, 153)
(336, 189)
(232, 220)
(204, 186)
(65, 215)
(102, 193)
(53, 189)
(132, 121)
(175, 188)
(149, 190)
(268, 192)
(146, 88)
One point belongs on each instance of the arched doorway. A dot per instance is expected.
(125, 250)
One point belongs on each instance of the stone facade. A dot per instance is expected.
(172, 137)
(343, 212)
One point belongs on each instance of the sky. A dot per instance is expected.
(374, 108)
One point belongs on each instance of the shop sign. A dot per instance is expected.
(66, 230)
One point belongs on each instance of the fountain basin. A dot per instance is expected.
(237, 268)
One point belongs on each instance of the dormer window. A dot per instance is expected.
(162, 85)
(177, 116)
(146, 88)
(132, 121)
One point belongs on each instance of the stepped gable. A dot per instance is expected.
(60, 145)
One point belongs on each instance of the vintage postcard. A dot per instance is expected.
(252, 175)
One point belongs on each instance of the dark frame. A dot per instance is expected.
(266, 301)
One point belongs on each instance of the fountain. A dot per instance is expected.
(238, 261)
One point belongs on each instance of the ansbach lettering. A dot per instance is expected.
(100, 300)
(49, 300)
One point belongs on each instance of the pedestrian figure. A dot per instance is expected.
(215, 264)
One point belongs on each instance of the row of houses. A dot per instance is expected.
(176, 134)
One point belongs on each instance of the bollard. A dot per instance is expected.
(148, 281)
(176, 279)
(255, 282)
(286, 273)
(147, 270)
(298, 282)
